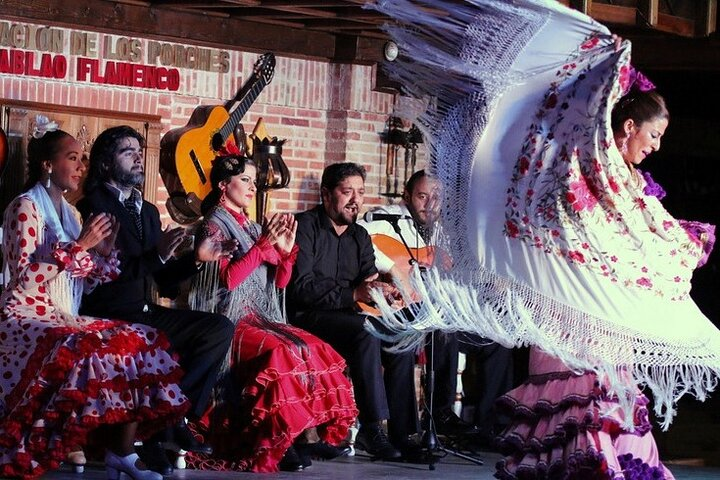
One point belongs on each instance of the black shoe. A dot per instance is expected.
(184, 438)
(412, 452)
(321, 450)
(449, 424)
(153, 455)
(374, 441)
(291, 461)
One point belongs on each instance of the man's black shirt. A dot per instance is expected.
(329, 266)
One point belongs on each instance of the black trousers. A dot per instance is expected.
(495, 376)
(200, 339)
(441, 355)
(379, 395)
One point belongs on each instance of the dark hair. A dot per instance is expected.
(40, 150)
(337, 172)
(640, 107)
(224, 167)
(415, 178)
(103, 151)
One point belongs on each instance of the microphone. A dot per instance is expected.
(388, 217)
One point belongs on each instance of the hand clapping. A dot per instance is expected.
(99, 232)
(170, 240)
(280, 230)
(214, 248)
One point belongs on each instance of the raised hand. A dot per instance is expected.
(286, 234)
(95, 229)
(170, 240)
(106, 245)
(214, 248)
(271, 228)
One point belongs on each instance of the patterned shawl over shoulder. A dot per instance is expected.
(554, 242)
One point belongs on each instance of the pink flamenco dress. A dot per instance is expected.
(279, 380)
(63, 375)
(565, 426)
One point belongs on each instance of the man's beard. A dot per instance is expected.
(127, 179)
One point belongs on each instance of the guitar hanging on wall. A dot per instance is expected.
(186, 153)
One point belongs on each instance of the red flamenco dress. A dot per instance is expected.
(61, 374)
(279, 380)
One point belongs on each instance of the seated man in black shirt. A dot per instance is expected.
(335, 268)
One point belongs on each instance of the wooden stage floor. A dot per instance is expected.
(362, 468)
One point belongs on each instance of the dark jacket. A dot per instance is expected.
(140, 263)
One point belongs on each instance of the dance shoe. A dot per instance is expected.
(77, 461)
(116, 465)
(154, 456)
(184, 438)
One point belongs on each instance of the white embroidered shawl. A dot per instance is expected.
(554, 243)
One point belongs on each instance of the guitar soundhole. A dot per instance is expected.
(217, 142)
(198, 167)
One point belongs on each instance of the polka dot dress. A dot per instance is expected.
(61, 374)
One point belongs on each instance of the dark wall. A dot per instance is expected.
(688, 165)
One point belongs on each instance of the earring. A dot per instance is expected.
(623, 146)
(47, 182)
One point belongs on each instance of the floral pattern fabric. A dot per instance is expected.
(572, 196)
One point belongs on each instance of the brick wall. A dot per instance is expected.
(327, 112)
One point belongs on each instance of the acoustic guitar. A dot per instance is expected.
(187, 152)
(397, 252)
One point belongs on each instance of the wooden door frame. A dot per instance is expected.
(153, 129)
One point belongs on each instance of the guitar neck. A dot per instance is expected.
(247, 98)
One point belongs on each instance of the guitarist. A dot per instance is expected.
(416, 218)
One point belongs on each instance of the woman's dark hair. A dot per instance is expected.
(40, 150)
(337, 172)
(640, 107)
(102, 154)
(224, 167)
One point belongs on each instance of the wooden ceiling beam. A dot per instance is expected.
(648, 13)
(172, 25)
(304, 11)
(584, 6)
(705, 17)
(301, 3)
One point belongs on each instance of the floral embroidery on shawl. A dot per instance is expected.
(566, 194)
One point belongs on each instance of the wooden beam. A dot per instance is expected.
(584, 6)
(301, 3)
(172, 25)
(613, 14)
(361, 50)
(648, 13)
(678, 25)
(310, 12)
(705, 17)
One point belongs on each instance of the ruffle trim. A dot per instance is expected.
(559, 432)
(51, 414)
(554, 413)
(278, 403)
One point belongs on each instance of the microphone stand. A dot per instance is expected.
(430, 440)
